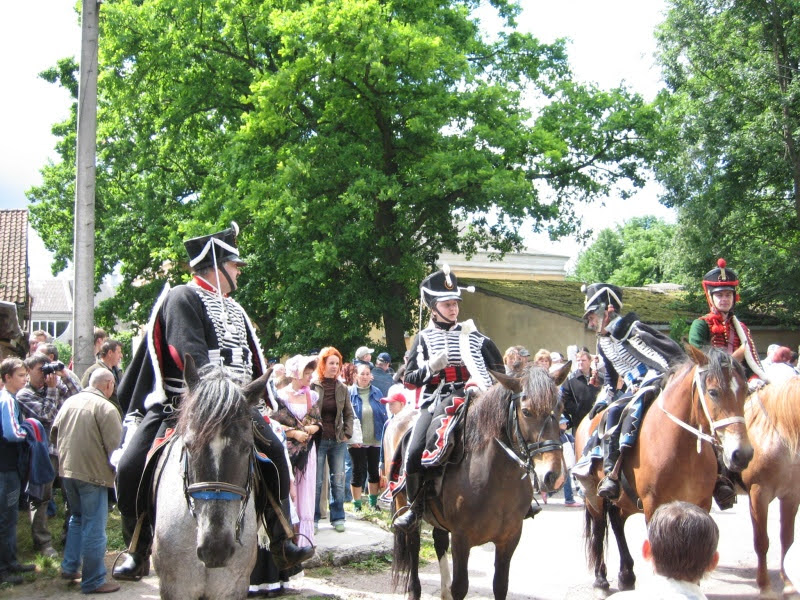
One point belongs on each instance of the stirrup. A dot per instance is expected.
(608, 488)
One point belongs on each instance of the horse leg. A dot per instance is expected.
(759, 507)
(595, 534)
(502, 563)
(788, 513)
(627, 578)
(460, 550)
(441, 542)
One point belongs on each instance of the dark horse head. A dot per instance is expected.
(523, 413)
(217, 432)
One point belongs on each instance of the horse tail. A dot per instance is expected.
(406, 548)
(595, 532)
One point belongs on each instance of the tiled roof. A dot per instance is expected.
(14, 255)
(51, 296)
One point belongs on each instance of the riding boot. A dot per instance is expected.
(137, 562)
(409, 519)
(609, 487)
(284, 551)
(724, 492)
(533, 510)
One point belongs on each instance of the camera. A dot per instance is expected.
(52, 367)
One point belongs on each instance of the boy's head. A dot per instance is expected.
(682, 541)
(13, 374)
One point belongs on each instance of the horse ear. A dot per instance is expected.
(257, 388)
(698, 356)
(561, 375)
(190, 376)
(507, 381)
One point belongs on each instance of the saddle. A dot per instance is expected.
(148, 484)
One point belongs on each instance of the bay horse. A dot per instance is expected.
(699, 411)
(204, 543)
(773, 422)
(510, 434)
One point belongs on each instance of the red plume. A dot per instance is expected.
(721, 263)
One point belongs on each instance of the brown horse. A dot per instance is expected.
(699, 411)
(516, 416)
(773, 422)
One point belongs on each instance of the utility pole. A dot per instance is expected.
(83, 250)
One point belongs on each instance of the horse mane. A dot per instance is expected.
(489, 411)
(780, 402)
(214, 403)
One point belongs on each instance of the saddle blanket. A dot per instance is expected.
(443, 432)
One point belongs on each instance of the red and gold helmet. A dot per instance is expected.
(720, 279)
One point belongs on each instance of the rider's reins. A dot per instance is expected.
(522, 451)
(713, 438)
(217, 490)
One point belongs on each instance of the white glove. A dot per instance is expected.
(438, 361)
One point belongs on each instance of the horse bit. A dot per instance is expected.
(714, 426)
(523, 451)
(216, 490)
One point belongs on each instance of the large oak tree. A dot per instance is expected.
(353, 141)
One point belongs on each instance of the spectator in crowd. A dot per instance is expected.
(348, 374)
(86, 431)
(337, 427)
(100, 337)
(382, 373)
(348, 377)
(299, 413)
(13, 375)
(780, 369)
(367, 408)
(41, 398)
(579, 391)
(111, 355)
(395, 401)
(511, 360)
(542, 359)
(524, 356)
(36, 338)
(278, 371)
(682, 546)
(771, 350)
(364, 355)
(568, 445)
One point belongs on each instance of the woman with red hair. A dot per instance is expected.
(337, 427)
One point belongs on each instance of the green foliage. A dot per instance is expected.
(634, 254)
(729, 156)
(679, 329)
(64, 351)
(353, 140)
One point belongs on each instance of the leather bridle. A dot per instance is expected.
(217, 490)
(523, 451)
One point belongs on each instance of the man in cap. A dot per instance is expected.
(635, 354)
(200, 319)
(721, 329)
(444, 357)
(382, 373)
(364, 356)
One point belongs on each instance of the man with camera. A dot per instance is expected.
(49, 385)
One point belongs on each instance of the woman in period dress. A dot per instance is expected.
(299, 414)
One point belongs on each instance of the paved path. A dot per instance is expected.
(549, 563)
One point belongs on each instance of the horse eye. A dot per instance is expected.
(527, 413)
(714, 393)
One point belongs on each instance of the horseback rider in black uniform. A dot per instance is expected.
(199, 319)
(633, 353)
(443, 358)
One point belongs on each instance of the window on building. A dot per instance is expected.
(54, 328)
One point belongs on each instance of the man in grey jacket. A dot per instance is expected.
(86, 431)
